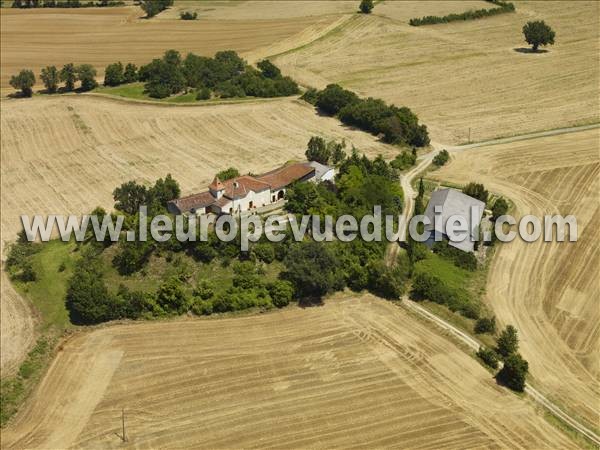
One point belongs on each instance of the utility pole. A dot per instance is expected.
(124, 436)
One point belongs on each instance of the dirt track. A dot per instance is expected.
(292, 378)
(549, 291)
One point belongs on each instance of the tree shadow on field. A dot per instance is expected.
(310, 302)
(529, 50)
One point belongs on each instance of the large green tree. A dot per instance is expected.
(87, 75)
(50, 76)
(24, 81)
(514, 372)
(508, 341)
(317, 150)
(113, 74)
(68, 75)
(538, 33)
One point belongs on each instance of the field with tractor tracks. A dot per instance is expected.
(358, 371)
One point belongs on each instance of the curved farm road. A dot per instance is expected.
(549, 291)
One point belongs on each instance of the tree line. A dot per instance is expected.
(395, 125)
(51, 76)
(503, 7)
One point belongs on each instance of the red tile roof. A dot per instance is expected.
(201, 200)
(216, 184)
(240, 186)
(284, 176)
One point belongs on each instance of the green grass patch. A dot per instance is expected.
(14, 390)
(53, 265)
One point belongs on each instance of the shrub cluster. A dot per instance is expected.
(503, 7)
(64, 3)
(153, 7)
(488, 356)
(395, 125)
(325, 152)
(441, 158)
(187, 15)
(405, 160)
(51, 77)
(115, 74)
(226, 74)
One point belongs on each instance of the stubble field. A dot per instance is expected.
(465, 75)
(355, 372)
(100, 36)
(549, 291)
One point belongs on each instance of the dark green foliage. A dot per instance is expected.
(268, 69)
(164, 76)
(514, 372)
(132, 256)
(388, 282)
(18, 264)
(164, 191)
(187, 15)
(204, 290)
(228, 174)
(476, 190)
(313, 269)
(485, 325)
(68, 75)
(130, 196)
(333, 98)
(488, 356)
(316, 150)
(264, 252)
(336, 150)
(203, 94)
(50, 77)
(310, 96)
(88, 300)
(303, 198)
(405, 160)
(508, 342)
(500, 208)
(227, 89)
(171, 297)
(24, 81)
(281, 292)
(153, 7)
(464, 260)
(87, 75)
(130, 75)
(538, 33)
(504, 7)
(366, 6)
(113, 74)
(441, 158)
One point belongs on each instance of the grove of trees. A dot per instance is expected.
(395, 125)
(503, 7)
(153, 7)
(24, 80)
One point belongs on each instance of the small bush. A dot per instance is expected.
(310, 96)
(366, 6)
(441, 158)
(281, 292)
(485, 325)
(187, 15)
(488, 356)
(203, 94)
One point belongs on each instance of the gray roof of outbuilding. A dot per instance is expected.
(320, 169)
(455, 203)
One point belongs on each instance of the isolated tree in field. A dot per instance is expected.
(514, 372)
(24, 81)
(500, 208)
(113, 74)
(269, 69)
(476, 190)
(130, 74)
(366, 6)
(508, 341)
(50, 77)
(317, 150)
(538, 33)
(87, 75)
(68, 75)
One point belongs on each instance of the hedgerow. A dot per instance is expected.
(504, 7)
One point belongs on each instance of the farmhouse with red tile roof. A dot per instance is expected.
(246, 193)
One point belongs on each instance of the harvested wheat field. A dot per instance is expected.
(54, 36)
(549, 291)
(293, 378)
(67, 154)
(465, 75)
